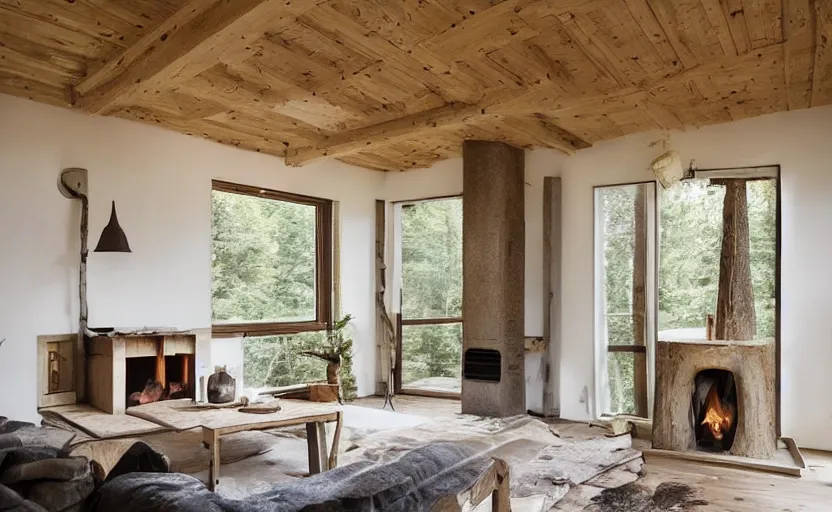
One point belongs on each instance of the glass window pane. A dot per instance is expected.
(691, 245)
(762, 224)
(621, 382)
(624, 230)
(691, 240)
(432, 357)
(432, 259)
(270, 361)
(625, 237)
(263, 259)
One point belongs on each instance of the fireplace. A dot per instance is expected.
(716, 396)
(714, 404)
(150, 379)
(128, 370)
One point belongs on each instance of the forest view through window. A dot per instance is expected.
(625, 232)
(694, 263)
(431, 262)
(691, 243)
(263, 259)
(270, 280)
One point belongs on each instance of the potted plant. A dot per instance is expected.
(337, 353)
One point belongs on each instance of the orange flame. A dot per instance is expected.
(718, 416)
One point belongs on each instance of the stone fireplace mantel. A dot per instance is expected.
(753, 366)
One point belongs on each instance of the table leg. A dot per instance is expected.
(316, 443)
(211, 440)
(336, 439)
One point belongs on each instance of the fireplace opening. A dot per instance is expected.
(150, 379)
(715, 410)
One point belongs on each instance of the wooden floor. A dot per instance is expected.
(739, 490)
(417, 405)
(724, 489)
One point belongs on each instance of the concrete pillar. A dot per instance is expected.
(493, 255)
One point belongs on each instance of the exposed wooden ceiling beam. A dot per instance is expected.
(113, 68)
(379, 135)
(194, 39)
(661, 115)
(546, 133)
(13, 84)
(538, 99)
(367, 138)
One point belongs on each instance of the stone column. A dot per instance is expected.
(493, 255)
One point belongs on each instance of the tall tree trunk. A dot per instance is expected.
(639, 299)
(735, 317)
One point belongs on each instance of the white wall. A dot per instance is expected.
(161, 182)
(798, 141)
(445, 178)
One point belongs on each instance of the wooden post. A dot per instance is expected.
(383, 330)
(709, 327)
(551, 292)
(186, 371)
(735, 316)
(639, 299)
(80, 359)
(160, 362)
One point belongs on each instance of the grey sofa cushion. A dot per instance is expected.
(413, 482)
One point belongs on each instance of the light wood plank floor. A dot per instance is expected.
(724, 489)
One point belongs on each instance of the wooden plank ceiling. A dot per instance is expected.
(398, 84)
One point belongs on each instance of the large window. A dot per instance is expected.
(710, 273)
(431, 295)
(692, 231)
(625, 289)
(272, 262)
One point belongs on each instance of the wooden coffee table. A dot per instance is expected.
(293, 412)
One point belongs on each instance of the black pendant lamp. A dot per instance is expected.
(113, 238)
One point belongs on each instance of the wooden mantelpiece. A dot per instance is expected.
(753, 366)
(107, 364)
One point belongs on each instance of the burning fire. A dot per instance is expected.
(719, 416)
(154, 391)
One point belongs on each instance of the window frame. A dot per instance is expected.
(324, 232)
(645, 380)
(402, 321)
(772, 172)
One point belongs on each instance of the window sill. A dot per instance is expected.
(264, 329)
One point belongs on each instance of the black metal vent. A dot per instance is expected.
(481, 364)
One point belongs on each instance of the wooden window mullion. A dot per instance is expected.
(432, 321)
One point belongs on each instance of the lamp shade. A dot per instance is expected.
(113, 238)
